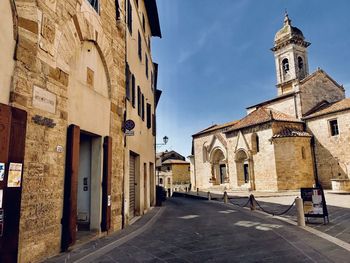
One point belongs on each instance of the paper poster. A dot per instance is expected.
(2, 171)
(15, 174)
(1, 194)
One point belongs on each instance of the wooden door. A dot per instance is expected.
(69, 219)
(132, 181)
(106, 184)
(13, 123)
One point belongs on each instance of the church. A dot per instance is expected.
(298, 139)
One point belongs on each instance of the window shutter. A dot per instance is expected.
(69, 220)
(106, 184)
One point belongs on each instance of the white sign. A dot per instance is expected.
(44, 100)
(129, 133)
(1, 194)
(2, 171)
(109, 201)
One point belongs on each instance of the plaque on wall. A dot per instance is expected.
(2, 171)
(44, 100)
(15, 175)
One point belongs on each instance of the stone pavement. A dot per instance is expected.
(189, 230)
(338, 208)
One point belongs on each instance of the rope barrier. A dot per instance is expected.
(274, 213)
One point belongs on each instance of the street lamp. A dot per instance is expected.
(165, 141)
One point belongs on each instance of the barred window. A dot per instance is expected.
(334, 127)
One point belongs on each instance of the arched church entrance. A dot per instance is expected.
(218, 166)
(244, 169)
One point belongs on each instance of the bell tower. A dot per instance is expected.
(290, 50)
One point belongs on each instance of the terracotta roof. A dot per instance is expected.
(288, 132)
(262, 115)
(330, 108)
(216, 127)
(175, 162)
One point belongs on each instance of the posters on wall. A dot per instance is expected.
(15, 175)
(2, 171)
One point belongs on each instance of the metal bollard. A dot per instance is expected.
(300, 211)
(252, 203)
(225, 197)
(197, 191)
(209, 196)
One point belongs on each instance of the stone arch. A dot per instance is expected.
(8, 28)
(244, 169)
(218, 161)
(83, 26)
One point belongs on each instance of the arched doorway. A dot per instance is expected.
(218, 167)
(244, 169)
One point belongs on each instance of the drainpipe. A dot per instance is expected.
(312, 144)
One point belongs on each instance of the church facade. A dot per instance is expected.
(298, 139)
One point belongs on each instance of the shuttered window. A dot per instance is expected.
(127, 82)
(149, 116)
(139, 101)
(146, 58)
(133, 90)
(143, 107)
(129, 17)
(139, 45)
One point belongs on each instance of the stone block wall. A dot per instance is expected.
(49, 32)
(294, 166)
(317, 88)
(181, 173)
(332, 154)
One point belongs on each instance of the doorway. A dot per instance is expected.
(246, 172)
(84, 184)
(222, 172)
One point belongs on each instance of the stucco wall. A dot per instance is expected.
(7, 44)
(286, 105)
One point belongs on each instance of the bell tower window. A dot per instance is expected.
(285, 65)
(300, 63)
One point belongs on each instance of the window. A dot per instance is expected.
(169, 180)
(285, 65)
(154, 129)
(139, 100)
(129, 18)
(139, 46)
(133, 90)
(117, 13)
(127, 82)
(303, 153)
(255, 143)
(333, 124)
(148, 112)
(160, 180)
(143, 23)
(95, 4)
(146, 66)
(152, 81)
(137, 3)
(143, 107)
(300, 63)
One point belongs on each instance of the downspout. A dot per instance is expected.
(125, 117)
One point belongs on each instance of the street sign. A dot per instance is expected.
(129, 125)
(314, 203)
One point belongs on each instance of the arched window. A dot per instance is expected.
(168, 180)
(255, 143)
(160, 180)
(285, 65)
(300, 63)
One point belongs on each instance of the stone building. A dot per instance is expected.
(142, 97)
(172, 171)
(62, 110)
(294, 140)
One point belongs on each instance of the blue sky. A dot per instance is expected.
(215, 59)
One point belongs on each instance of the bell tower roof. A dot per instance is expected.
(289, 34)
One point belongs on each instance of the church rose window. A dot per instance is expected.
(285, 65)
